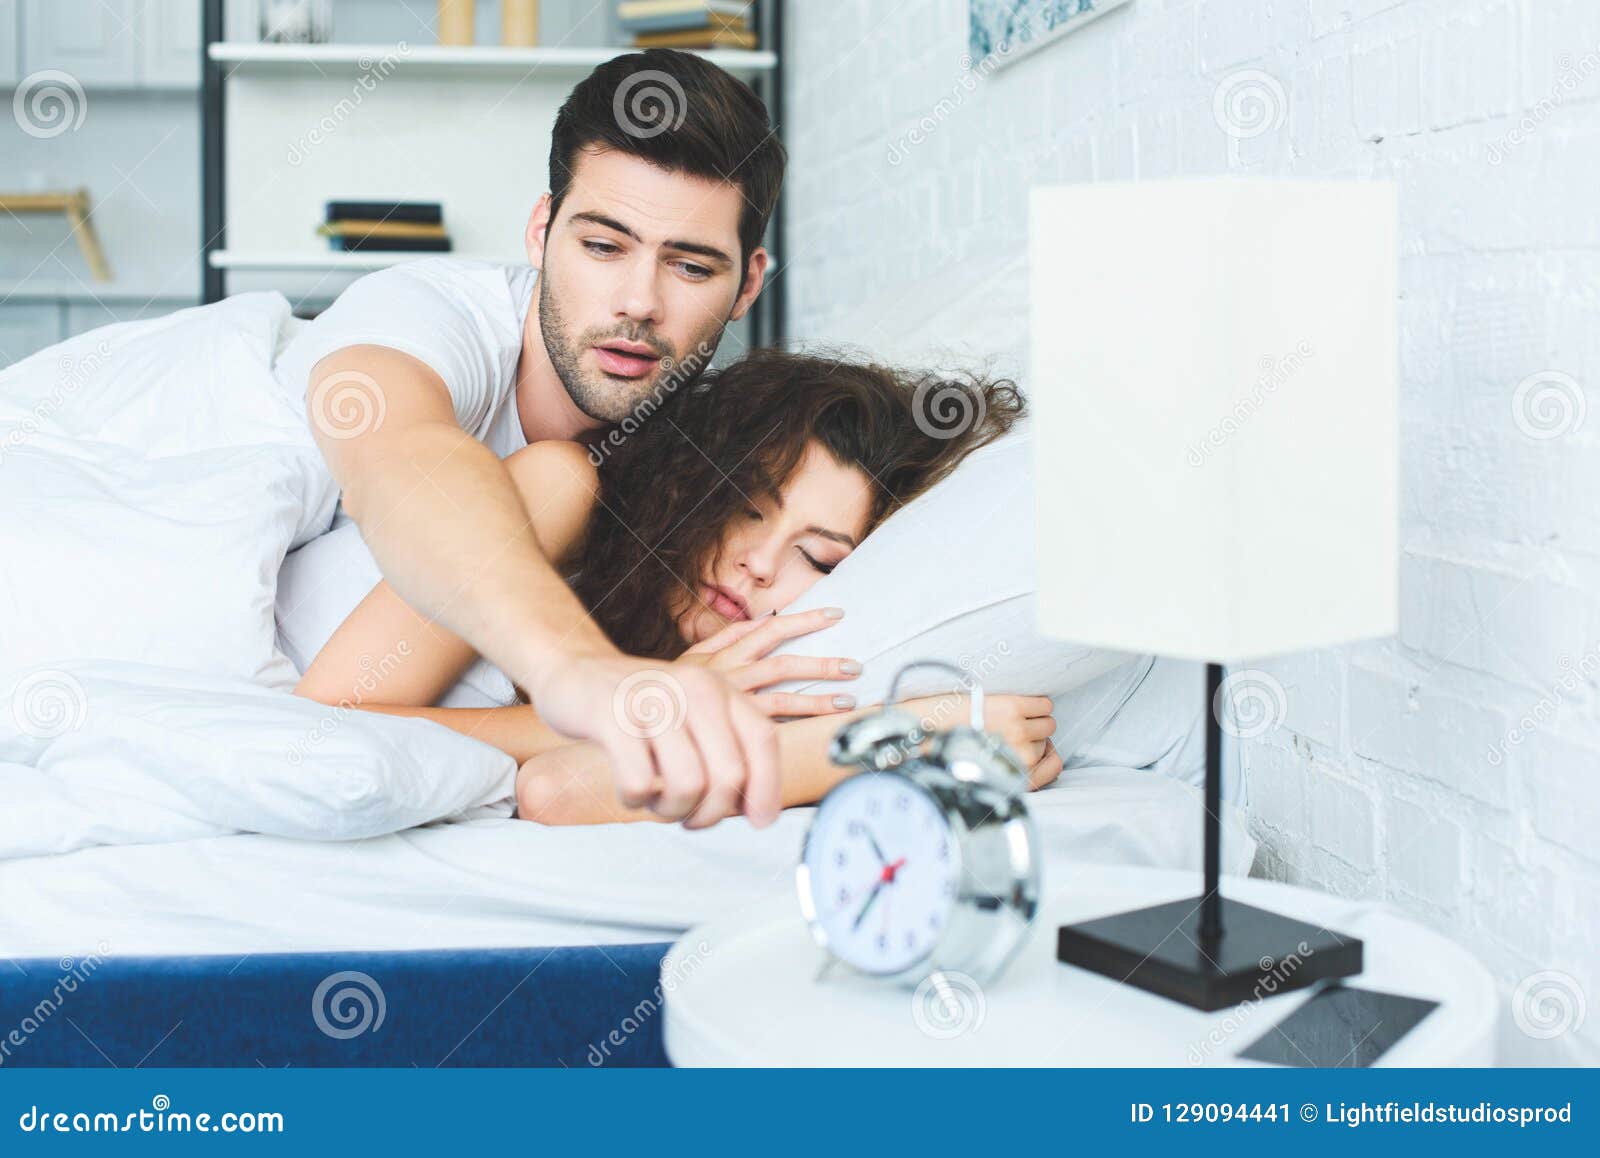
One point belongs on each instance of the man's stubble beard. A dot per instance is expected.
(599, 396)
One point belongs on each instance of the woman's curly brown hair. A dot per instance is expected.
(668, 491)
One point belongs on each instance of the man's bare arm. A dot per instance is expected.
(450, 533)
(441, 514)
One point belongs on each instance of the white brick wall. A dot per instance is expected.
(1455, 771)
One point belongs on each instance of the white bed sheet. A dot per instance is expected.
(497, 883)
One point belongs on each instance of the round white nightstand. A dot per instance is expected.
(744, 991)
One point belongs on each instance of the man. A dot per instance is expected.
(663, 176)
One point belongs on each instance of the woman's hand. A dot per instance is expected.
(739, 652)
(1023, 722)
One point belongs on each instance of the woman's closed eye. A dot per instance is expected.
(818, 564)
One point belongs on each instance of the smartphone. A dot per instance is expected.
(1340, 1027)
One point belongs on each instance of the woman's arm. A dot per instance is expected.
(573, 784)
(387, 658)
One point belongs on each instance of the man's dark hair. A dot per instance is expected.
(683, 114)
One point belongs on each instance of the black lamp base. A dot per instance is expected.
(1257, 954)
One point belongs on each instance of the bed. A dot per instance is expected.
(198, 868)
(482, 942)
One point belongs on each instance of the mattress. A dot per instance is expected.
(496, 883)
(485, 942)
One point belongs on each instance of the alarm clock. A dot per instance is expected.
(926, 861)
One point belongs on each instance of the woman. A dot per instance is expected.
(686, 542)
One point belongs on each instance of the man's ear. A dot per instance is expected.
(755, 276)
(538, 228)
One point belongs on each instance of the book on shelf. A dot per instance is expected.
(352, 235)
(685, 22)
(630, 10)
(372, 243)
(412, 212)
(698, 38)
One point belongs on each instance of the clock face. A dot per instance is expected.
(882, 869)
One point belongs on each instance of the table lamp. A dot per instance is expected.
(1214, 384)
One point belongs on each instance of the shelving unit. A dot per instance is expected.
(569, 63)
(342, 120)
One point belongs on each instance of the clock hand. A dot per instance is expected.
(876, 851)
(871, 897)
(884, 878)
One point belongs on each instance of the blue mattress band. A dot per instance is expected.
(581, 1006)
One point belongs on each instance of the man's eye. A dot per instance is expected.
(601, 248)
(752, 513)
(694, 272)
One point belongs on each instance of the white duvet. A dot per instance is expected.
(152, 478)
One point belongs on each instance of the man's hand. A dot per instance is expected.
(682, 740)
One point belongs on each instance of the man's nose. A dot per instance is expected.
(639, 295)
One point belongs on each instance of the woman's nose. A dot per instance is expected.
(759, 560)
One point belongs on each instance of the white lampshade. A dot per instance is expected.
(1214, 383)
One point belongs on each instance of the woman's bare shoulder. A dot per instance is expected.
(558, 484)
(554, 462)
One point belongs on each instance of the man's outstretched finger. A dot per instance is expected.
(682, 773)
(724, 762)
(634, 769)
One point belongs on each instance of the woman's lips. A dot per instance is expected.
(625, 363)
(725, 603)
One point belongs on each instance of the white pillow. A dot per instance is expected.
(121, 753)
(324, 581)
(152, 478)
(951, 577)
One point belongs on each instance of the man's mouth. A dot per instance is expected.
(627, 359)
(724, 602)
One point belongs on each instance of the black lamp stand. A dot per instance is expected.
(1209, 952)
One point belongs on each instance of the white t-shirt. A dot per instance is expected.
(463, 319)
